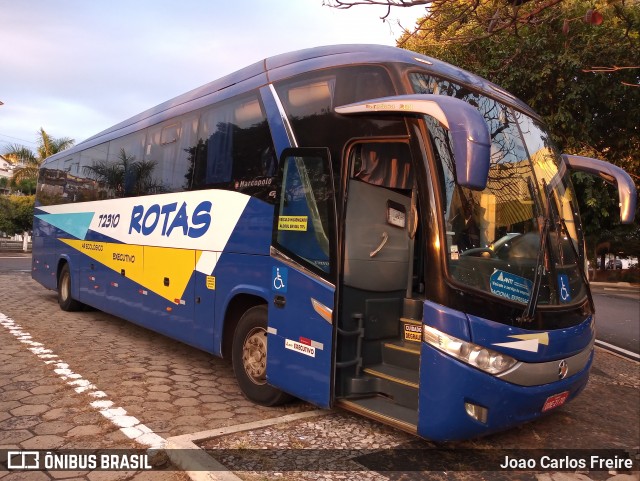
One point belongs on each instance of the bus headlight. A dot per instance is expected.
(479, 357)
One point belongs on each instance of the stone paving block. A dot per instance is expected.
(48, 441)
(137, 369)
(208, 390)
(46, 389)
(15, 436)
(158, 406)
(12, 395)
(35, 399)
(160, 381)
(219, 415)
(187, 420)
(30, 410)
(31, 376)
(186, 401)
(67, 475)
(19, 386)
(185, 393)
(90, 417)
(88, 430)
(57, 413)
(159, 388)
(159, 396)
(191, 410)
(53, 427)
(26, 476)
(19, 422)
(110, 475)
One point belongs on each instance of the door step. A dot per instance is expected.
(395, 374)
(402, 354)
(397, 383)
(383, 410)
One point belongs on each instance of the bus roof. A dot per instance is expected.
(286, 65)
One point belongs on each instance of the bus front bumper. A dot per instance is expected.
(447, 393)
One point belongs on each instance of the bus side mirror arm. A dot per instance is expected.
(613, 174)
(468, 129)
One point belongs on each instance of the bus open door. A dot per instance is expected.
(300, 327)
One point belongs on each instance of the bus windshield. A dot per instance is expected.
(494, 238)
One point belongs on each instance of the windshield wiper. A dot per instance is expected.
(579, 263)
(540, 270)
(561, 225)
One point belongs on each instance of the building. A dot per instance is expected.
(6, 168)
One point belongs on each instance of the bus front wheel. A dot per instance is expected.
(66, 302)
(249, 359)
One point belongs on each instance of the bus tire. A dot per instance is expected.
(249, 359)
(65, 301)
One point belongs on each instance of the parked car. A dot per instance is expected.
(614, 264)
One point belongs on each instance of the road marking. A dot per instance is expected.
(618, 350)
(130, 426)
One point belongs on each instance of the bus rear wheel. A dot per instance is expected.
(249, 359)
(66, 302)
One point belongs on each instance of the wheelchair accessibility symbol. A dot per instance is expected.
(563, 288)
(280, 279)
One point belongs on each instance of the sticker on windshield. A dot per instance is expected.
(511, 286)
(563, 288)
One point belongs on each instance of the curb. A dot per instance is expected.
(196, 463)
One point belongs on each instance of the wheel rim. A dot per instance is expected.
(254, 355)
(64, 287)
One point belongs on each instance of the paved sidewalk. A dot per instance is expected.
(167, 387)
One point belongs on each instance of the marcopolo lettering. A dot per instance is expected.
(170, 218)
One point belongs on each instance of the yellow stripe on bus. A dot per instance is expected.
(165, 271)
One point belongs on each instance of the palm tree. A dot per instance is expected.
(126, 176)
(29, 163)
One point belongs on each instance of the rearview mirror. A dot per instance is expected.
(612, 174)
(469, 131)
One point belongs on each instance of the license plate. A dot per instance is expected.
(555, 401)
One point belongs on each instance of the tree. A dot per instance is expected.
(28, 162)
(16, 216)
(490, 16)
(126, 177)
(593, 113)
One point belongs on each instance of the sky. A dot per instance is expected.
(77, 67)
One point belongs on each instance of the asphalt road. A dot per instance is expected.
(12, 262)
(618, 316)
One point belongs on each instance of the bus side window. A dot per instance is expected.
(234, 150)
(91, 187)
(305, 213)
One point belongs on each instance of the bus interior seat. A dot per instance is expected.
(378, 279)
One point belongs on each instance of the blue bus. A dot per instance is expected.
(354, 226)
